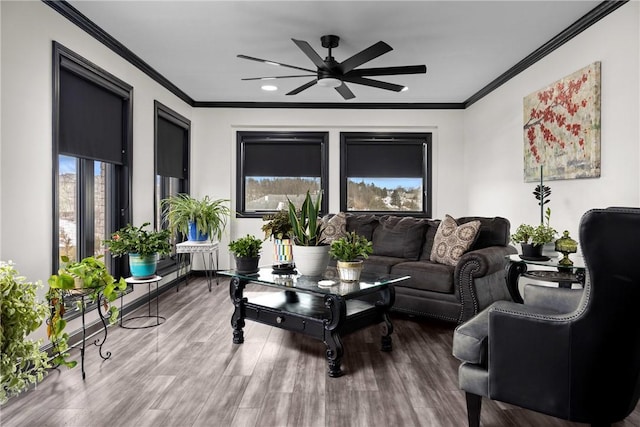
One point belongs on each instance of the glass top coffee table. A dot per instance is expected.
(317, 306)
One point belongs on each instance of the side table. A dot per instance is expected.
(203, 248)
(149, 281)
(564, 276)
(80, 295)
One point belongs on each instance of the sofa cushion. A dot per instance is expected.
(453, 240)
(425, 275)
(380, 264)
(494, 231)
(334, 227)
(362, 224)
(399, 237)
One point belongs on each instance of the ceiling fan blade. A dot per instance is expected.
(303, 87)
(373, 83)
(366, 55)
(312, 54)
(388, 71)
(251, 58)
(345, 91)
(278, 77)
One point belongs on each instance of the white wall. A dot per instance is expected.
(493, 132)
(28, 29)
(214, 156)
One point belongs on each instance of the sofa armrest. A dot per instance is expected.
(479, 279)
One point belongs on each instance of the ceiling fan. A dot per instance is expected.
(330, 73)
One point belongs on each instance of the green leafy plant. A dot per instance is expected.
(535, 235)
(246, 247)
(137, 240)
(277, 225)
(209, 215)
(22, 363)
(306, 227)
(350, 247)
(88, 277)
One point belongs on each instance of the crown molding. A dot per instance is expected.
(586, 21)
(596, 14)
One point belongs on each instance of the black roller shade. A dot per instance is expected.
(171, 149)
(388, 159)
(92, 120)
(282, 159)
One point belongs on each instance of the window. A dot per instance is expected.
(385, 173)
(91, 158)
(273, 167)
(172, 136)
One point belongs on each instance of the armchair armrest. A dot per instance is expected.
(560, 300)
(529, 357)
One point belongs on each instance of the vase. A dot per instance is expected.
(143, 266)
(195, 235)
(531, 251)
(282, 252)
(247, 265)
(349, 271)
(311, 260)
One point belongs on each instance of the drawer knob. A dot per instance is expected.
(279, 319)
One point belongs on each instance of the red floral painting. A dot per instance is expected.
(562, 128)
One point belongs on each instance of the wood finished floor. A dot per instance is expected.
(187, 372)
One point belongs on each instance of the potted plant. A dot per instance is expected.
(277, 227)
(142, 246)
(311, 252)
(246, 251)
(349, 251)
(533, 238)
(90, 278)
(22, 362)
(198, 219)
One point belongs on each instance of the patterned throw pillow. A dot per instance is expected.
(453, 240)
(334, 227)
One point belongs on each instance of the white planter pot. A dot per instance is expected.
(349, 271)
(311, 260)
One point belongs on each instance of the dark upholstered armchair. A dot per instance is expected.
(574, 356)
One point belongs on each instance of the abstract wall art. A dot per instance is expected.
(562, 128)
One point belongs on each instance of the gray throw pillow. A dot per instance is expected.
(399, 237)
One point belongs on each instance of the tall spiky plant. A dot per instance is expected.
(305, 224)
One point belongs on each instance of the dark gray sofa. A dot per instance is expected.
(402, 245)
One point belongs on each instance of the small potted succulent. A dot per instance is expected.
(246, 251)
(142, 246)
(349, 251)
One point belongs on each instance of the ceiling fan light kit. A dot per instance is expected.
(333, 74)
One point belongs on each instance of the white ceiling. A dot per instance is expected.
(464, 44)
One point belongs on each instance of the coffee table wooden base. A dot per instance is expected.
(325, 318)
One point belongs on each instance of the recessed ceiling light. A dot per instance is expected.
(269, 88)
(271, 63)
(404, 89)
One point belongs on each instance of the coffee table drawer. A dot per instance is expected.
(288, 321)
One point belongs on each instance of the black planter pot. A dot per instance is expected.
(531, 251)
(246, 265)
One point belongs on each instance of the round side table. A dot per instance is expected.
(159, 319)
